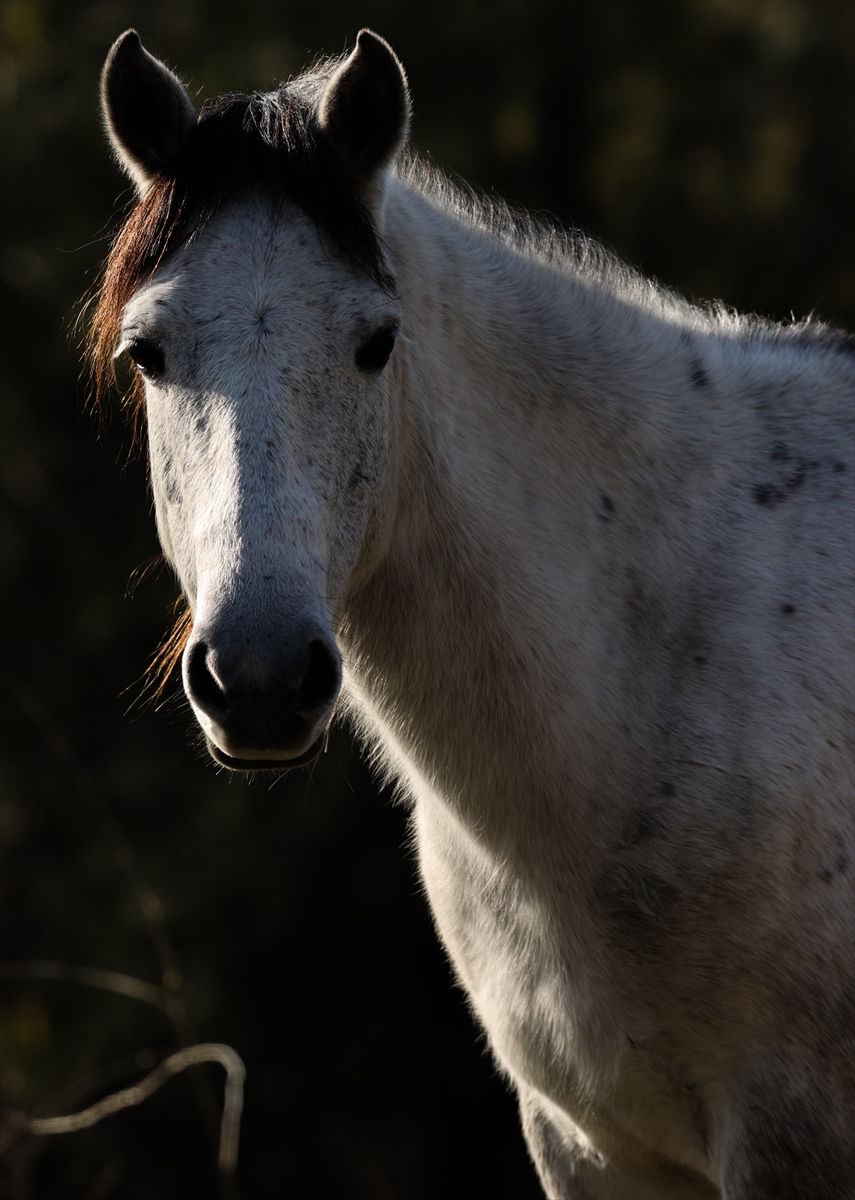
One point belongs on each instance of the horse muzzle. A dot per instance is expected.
(272, 716)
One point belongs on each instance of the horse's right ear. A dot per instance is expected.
(146, 110)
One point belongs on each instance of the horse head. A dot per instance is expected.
(250, 290)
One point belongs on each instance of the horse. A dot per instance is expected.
(575, 558)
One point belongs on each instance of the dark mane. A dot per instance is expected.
(265, 144)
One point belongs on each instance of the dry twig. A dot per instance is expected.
(192, 1055)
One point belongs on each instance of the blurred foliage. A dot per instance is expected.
(709, 142)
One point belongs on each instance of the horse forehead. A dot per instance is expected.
(251, 242)
(278, 256)
(256, 261)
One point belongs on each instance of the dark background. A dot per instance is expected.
(708, 142)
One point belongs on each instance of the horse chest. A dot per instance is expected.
(530, 981)
(557, 1024)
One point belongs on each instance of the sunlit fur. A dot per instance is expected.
(587, 552)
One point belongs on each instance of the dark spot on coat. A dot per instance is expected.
(357, 477)
(839, 466)
(841, 866)
(700, 378)
(608, 508)
(788, 608)
(767, 494)
(771, 492)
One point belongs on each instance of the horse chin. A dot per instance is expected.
(266, 764)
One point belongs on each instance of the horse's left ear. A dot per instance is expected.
(365, 112)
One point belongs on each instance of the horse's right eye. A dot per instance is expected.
(147, 356)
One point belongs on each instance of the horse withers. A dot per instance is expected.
(575, 556)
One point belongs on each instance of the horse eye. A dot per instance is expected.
(147, 356)
(374, 354)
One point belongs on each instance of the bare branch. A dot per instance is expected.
(228, 1058)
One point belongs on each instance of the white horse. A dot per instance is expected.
(575, 556)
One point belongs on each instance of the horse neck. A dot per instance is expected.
(460, 642)
(523, 366)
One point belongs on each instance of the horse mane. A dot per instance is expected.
(574, 252)
(539, 237)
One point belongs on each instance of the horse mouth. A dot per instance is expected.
(267, 764)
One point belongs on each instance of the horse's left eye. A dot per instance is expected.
(374, 354)
(147, 356)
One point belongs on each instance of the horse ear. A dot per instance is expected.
(365, 111)
(147, 112)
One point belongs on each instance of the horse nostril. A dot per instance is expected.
(201, 684)
(321, 679)
(234, 696)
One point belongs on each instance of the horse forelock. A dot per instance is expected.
(269, 144)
